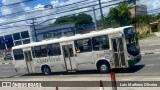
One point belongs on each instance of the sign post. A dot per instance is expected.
(113, 80)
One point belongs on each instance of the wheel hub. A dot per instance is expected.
(103, 67)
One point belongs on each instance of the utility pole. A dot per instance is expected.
(102, 17)
(34, 28)
(95, 20)
(135, 15)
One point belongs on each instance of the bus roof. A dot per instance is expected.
(71, 38)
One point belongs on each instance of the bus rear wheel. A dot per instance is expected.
(103, 68)
(46, 70)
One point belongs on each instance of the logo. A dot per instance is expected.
(6, 84)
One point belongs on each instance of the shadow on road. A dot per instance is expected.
(134, 69)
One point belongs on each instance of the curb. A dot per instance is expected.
(157, 51)
(5, 63)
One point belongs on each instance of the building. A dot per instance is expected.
(155, 26)
(15, 36)
(140, 10)
(54, 31)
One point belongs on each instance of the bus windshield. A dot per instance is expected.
(132, 41)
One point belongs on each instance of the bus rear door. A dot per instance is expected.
(29, 61)
(69, 56)
(118, 51)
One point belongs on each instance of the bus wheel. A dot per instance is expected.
(46, 70)
(103, 68)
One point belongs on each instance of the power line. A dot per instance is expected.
(52, 14)
(62, 12)
(42, 8)
(57, 17)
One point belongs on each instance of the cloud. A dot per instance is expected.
(39, 7)
(7, 2)
(11, 8)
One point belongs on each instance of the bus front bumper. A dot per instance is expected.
(134, 60)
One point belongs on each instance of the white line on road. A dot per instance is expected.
(150, 65)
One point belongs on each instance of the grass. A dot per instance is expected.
(145, 36)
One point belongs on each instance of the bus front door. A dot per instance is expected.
(118, 52)
(29, 61)
(69, 57)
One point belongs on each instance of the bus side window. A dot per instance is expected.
(40, 51)
(33, 52)
(18, 54)
(83, 45)
(100, 43)
(43, 51)
(37, 51)
(53, 49)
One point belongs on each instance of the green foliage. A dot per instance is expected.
(65, 19)
(119, 15)
(79, 19)
(145, 36)
(142, 20)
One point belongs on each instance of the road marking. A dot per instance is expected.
(150, 65)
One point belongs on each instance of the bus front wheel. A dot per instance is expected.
(103, 68)
(46, 70)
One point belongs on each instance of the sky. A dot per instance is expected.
(39, 5)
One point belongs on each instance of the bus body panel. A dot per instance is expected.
(56, 63)
(85, 61)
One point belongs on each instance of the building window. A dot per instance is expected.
(9, 41)
(26, 41)
(18, 54)
(57, 34)
(53, 49)
(18, 43)
(100, 43)
(16, 36)
(69, 33)
(25, 34)
(47, 35)
(2, 43)
(83, 45)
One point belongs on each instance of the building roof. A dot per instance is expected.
(156, 22)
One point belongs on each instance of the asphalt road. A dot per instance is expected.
(152, 47)
(149, 65)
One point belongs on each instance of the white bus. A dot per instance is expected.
(99, 50)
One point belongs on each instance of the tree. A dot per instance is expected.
(83, 19)
(65, 19)
(119, 15)
(79, 19)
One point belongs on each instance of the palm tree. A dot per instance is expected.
(120, 15)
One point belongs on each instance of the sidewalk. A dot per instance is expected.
(5, 62)
(150, 42)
